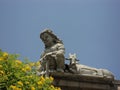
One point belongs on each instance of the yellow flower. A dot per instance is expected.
(42, 78)
(20, 83)
(18, 62)
(30, 76)
(52, 86)
(32, 88)
(28, 68)
(23, 69)
(13, 87)
(39, 83)
(51, 78)
(1, 72)
(31, 64)
(1, 58)
(5, 54)
(58, 89)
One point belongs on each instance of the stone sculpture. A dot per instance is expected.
(77, 68)
(52, 59)
(53, 55)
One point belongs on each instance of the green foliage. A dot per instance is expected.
(18, 75)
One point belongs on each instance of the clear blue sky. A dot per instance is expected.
(89, 28)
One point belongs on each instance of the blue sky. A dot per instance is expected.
(89, 28)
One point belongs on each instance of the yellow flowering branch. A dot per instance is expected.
(17, 75)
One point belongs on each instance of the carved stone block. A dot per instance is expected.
(79, 82)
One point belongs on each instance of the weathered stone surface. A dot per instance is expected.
(80, 82)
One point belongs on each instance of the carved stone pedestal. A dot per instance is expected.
(81, 82)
